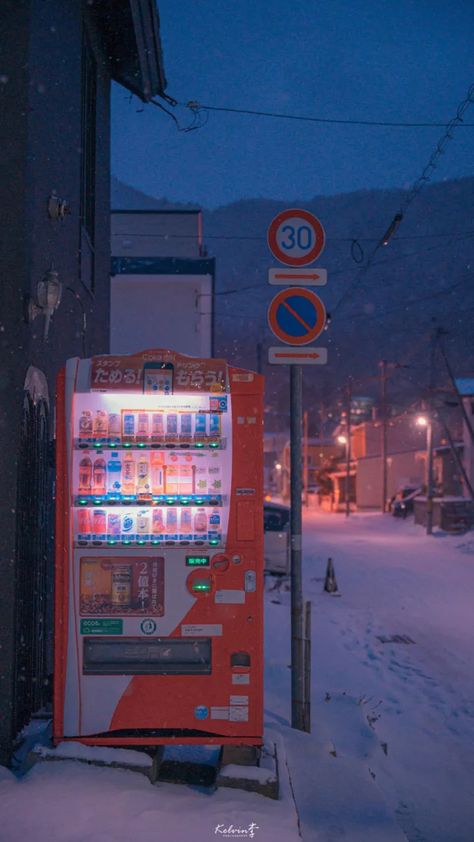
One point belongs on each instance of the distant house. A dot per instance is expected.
(465, 387)
(57, 62)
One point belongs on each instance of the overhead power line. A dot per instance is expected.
(418, 185)
(197, 107)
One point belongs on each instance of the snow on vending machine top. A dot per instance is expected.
(159, 551)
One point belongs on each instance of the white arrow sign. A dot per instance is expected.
(282, 355)
(284, 276)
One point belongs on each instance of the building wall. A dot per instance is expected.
(40, 142)
(402, 469)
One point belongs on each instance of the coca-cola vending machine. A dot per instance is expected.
(159, 551)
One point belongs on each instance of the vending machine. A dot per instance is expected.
(159, 551)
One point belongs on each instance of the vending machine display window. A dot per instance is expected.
(131, 586)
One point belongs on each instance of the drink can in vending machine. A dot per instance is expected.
(84, 526)
(121, 594)
(186, 525)
(128, 527)
(113, 526)
(99, 526)
(172, 524)
(143, 525)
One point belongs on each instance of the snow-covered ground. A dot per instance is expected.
(393, 722)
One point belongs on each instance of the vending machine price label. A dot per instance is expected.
(102, 626)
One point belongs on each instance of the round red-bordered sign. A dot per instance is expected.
(296, 316)
(296, 237)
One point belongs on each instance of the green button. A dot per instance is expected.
(98, 625)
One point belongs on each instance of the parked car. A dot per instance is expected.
(402, 503)
(276, 525)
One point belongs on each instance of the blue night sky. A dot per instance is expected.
(411, 60)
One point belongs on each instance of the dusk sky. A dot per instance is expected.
(361, 60)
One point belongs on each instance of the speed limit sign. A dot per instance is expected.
(295, 237)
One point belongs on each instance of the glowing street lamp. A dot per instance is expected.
(426, 422)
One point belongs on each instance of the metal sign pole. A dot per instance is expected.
(297, 659)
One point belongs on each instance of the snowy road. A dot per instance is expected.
(393, 722)
(416, 700)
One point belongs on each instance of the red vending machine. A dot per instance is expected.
(159, 551)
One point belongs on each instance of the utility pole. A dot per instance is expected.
(305, 457)
(429, 435)
(383, 385)
(348, 446)
(297, 642)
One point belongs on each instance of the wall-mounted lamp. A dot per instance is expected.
(48, 298)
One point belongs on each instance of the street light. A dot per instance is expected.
(345, 441)
(426, 422)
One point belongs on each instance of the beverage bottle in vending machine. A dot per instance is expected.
(214, 473)
(114, 475)
(172, 474)
(158, 525)
(101, 422)
(157, 428)
(157, 473)
(85, 424)
(128, 426)
(214, 525)
(129, 474)
(114, 426)
(143, 476)
(142, 426)
(200, 521)
(200, 473)
(185, 426)
(214, 424)
(85, 475)
(186, 475)
(200, 425)
(98, 476)
(171, 427)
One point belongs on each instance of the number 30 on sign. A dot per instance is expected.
(295, 237)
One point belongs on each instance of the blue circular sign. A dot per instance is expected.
(296, 316)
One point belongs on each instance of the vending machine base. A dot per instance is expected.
(234, 766)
